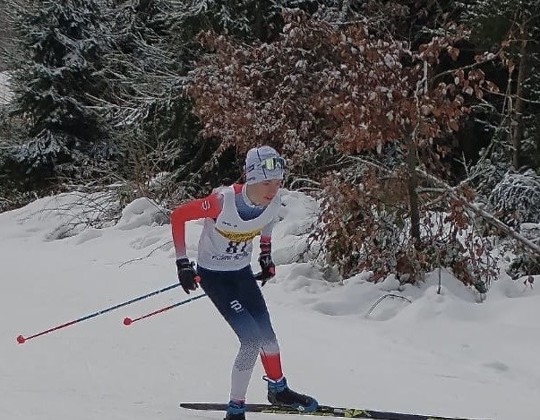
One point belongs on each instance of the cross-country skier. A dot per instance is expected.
(234, 215)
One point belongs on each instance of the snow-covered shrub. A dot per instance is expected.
(366, 225)
(486, 174)
(10, 196)
(343, 89)
(142, 212)
(526, 264)
(516, 198)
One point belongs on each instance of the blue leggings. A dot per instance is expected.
(238, 298)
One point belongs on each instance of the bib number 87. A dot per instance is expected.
(235, 247)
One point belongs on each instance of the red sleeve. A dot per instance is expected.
(209, 206)
(266, 243)
(237, 187)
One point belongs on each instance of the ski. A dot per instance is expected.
(323, 410)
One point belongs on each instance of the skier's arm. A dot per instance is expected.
(266, 237)
(266, 234)
(209, 206)
(265, 257)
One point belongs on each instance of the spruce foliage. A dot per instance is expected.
(53, 81)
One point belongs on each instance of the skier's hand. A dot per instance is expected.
(186, 275)
(267, 265)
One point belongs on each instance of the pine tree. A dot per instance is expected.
(53, 82)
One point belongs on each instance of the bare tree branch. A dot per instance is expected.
(534, 248)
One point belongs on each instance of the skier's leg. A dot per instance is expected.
(278, 391)
(224, 289)
(255, 304)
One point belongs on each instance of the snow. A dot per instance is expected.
(423, 352)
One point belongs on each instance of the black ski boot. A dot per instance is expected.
(280, 394)
(235, 411)
(240, 416)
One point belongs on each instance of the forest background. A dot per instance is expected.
(415, 124)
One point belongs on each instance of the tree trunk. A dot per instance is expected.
(344, 12)
(517, 127)
(412, 186)
(6, 35)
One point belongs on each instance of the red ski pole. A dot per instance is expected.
(128, 321)
(21, 339)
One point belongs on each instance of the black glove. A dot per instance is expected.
(186, 275)
(267, 265)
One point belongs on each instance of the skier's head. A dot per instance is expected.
(264, 172)
(263, 164)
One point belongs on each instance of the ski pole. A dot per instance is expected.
(128, 321)
(21, 339)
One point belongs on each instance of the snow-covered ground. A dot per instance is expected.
(441, 354)
(5, 92)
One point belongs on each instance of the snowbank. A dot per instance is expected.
(426, 349)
